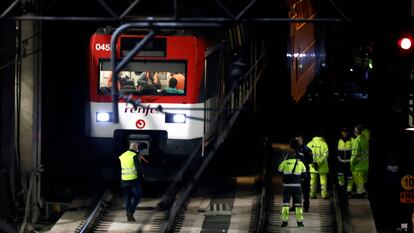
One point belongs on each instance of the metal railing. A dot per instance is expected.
(232, 105)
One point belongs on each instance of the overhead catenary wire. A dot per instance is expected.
(114, 17)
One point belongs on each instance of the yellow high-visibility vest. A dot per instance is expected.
(344, 150)
(128, 169)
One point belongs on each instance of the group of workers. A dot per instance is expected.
(306, 165)
(303, 168)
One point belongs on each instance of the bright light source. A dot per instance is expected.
(175, 118)
(179, 118)
(405, 43)
(103, 116)
(410, 129)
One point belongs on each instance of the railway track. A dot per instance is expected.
(108, 215)
(219, 203)
(148, 218)
(320, 218)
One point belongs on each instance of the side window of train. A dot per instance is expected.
(213, 73)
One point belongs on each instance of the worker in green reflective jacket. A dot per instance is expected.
(360, 159)
(344, 159)
(319, 169)
(294, 171)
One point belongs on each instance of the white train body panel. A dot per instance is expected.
(148, 117)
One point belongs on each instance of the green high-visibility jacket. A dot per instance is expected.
(128, 169)
(367, 134)
(360, 153)
(320, 152)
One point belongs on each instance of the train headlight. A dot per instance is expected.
(103, 116)
(174, 118)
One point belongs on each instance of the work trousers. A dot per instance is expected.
(296, 193)
(323, 178)
(132, 197)
(359, 179)
(344, 171)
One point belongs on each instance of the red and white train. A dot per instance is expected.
(182, 74)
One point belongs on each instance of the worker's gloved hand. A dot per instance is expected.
(315, 166)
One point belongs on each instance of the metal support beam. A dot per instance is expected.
(181, 20)
(129, 9)
(116, 68)
(11, 7)
(245, 10)
(339, 11)
(173, 18)
(228, 12)
(108, 9)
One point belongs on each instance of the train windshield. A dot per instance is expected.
(145, 77)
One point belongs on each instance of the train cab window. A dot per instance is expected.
(146, 78)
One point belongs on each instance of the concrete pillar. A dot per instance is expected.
(29, 113)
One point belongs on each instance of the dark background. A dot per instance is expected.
(374, 26)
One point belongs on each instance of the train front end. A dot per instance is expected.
(165, 78)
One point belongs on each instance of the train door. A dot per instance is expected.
(214, 89)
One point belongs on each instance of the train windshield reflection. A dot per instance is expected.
(146, 78)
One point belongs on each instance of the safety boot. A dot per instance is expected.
(130, 217)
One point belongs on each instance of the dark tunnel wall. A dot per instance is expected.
(64, 96)
(8, 172)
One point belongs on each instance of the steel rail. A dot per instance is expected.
(96, 213)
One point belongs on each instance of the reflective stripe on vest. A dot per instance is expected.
(343, 160)
(128, 169)
(292, 185)
(362, 158)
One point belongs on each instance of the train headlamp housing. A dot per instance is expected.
(103, 116)
(175, 118)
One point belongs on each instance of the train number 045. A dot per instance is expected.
(103, 47)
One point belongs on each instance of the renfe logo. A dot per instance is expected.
(141, 110)
(140, 124)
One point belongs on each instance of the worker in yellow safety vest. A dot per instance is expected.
(319, 169)
(360, 159)
(294, 171)
(344, 158)
(131, 176)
